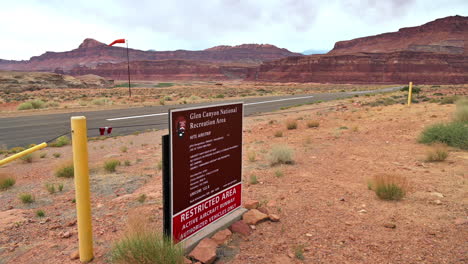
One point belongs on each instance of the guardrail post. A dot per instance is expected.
(82, 192)
(410, 92)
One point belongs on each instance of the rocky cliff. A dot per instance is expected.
(91, 53)
(167, 70)
(446, 35)
(395, 67)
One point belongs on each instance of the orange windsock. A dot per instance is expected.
(117, 41)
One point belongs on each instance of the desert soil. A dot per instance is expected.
(323, 202)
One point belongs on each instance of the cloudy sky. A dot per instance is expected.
(29, 28)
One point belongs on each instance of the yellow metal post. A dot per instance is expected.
(22, 153)
(410, 92)
(82, 192)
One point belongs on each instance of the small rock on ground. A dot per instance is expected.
(254, 216)
(205, 251)
(241, 227)
(222, 237)
(252, 204)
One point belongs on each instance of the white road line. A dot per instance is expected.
(263, 102)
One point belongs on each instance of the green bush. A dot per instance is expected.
(454, 134)
(389, 187)
(37, 104)
(65, 170)
(111, 165)
(26, 198)
(60, 142)
(145, 248)
(159, 85)
(414, 89)
(6, 181)
(40, 213)
(25, 106)
(461, 113)
(281, 155)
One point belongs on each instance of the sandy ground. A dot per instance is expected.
(323, 201)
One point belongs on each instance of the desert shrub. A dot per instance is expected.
(281, 155)
(28, 158)
(127, 163)
(164, 85)
(26, 198)
(60, 187)
(37, 104)
(312, 123)
(141, 198)
(299, 252)
(15, 150)
(461, 113)
(220, 96)
(51, 104)
(50, 188)
(438, 152)
(253, 179)
(65, 170)
(40, 213)
(56, 155)
(389, 187)
(252, 156)
(25, 106)
(111, 165)
(279, 174)
(449, 99)
(141, 244)
(101, 101)
(454, 134)
(6, 181)
(42, 155)
(278, 133)
(60, 142)
(291, 124)
(123, 149)
(414, 89)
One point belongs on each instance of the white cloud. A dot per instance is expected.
(29, 28)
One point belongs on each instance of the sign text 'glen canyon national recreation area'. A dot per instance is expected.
(206, 166)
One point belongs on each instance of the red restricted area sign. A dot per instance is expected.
(206, 166)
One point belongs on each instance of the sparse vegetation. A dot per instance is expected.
(253, 179)
(127, 163)
(141, 198)
(60, 187)
(159, 166)
(40, 213)
(291, 124)
(252, 156)
(461, 113)
(43, 155)
(279, 174)
(279, 133)
(160, 85)
(454, 134)
(449, 99)
(438, 152)
(26, 198)
(56, 155)
(25, 106)
(123, 149)
(281, 155)
(389, 187)
(299, 252)
(6, 181)
(141, 244)
(60, 142)
(312, 124)
(50, 188)
(111, 165)
(28, 158)
(65, 170)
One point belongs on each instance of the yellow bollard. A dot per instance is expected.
(410, 92)
(22, 153)
(82, 192)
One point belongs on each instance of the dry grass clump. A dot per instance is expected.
(438, 152)
(6, 181)
(291, 124)
(313, 124)
(252, 156)
(389, 187)
(26, 198)
(111, 165)
(28, 158)
(60, 142)
(461, 112)
(65, 170)
(279, 133)
(281, 154)
(141, 244)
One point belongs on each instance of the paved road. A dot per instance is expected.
(22, 131)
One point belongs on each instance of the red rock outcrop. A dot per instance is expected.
(446, 35)
(167, 70)
(394, 67)
(433, 53)
(91, 53)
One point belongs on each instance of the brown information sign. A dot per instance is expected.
(206, 166)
